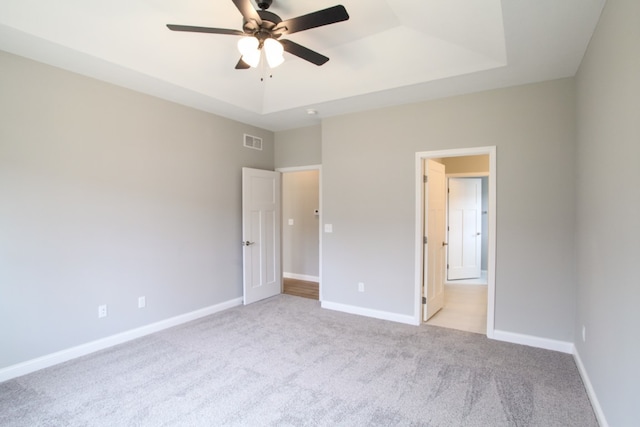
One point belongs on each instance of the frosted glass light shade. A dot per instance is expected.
(248, 47)
(273, 50)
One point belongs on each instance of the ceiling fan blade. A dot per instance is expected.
(303, 52)
(312, 20)
(241, 65)
(205, 30)
(247, 10)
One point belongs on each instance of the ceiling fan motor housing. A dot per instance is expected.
(269, 22)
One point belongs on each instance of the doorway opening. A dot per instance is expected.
(458, 296)
(301, 237)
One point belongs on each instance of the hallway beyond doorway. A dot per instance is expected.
(465, 309)
(482, 280)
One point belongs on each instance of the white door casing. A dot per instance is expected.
(464, 254)
(434, 230)
(420, 157)
(262, 276)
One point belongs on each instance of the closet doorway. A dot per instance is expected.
(301, 235)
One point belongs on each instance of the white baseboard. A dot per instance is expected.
(533, 341)
(33, 365)
(384, 315)
(306, 277)
(597, 409)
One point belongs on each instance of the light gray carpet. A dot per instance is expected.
(287, 362)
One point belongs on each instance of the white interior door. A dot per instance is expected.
(262, 277)
(464, 256)
(434, 226)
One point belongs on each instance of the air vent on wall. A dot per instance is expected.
(252, 142)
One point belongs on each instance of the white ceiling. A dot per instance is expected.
(389, 52)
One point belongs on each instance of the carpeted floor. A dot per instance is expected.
(287, 362)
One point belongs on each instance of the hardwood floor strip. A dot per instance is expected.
(301, 288)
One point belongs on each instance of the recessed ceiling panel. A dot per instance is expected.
(386, 45)
(383, 62)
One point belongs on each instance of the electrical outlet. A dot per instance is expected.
(142, 302)
(290, 221)
(360, 286)
(102, 311)
(584, 333)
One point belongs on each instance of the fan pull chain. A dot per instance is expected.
(265, 68)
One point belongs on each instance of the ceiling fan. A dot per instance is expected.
(262, 30)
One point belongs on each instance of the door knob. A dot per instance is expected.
(444, 243)
(247, 243)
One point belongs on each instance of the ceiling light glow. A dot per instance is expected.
(274, 51)
(248, 47)
(251, 50)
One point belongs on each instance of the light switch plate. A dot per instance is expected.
(328, 228)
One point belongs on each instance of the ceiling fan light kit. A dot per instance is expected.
(249, 49)
(274, 52)
(262, 29)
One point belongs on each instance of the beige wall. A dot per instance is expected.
(467, 164)
(107, 195)
(608, 206)
(369, 198)
(300, 240)
(298, 147)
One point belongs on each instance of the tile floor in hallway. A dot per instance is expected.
(465, 308)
